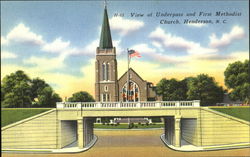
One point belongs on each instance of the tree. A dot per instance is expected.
(37, 85)
(2, 94)
(11, 80)
(16, 90)
(44, 93)
(172, 90)
(205, 88)
(81, 96)
(10, 100)
(47, 97)
(237, 80)
(23, 91)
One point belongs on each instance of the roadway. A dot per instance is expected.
(138, 143)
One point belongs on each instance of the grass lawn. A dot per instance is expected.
(125, 126)
(11, 115)
(238, 112)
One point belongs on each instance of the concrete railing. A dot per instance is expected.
(118, 105)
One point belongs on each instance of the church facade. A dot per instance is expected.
(108, 88)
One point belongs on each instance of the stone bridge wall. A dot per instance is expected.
(189, 130)
(219, 129)
(67, 132)
(39, 131)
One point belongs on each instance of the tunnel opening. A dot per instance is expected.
(177, 131)
(68, 130)
(169, 129)
(189, 134)
(128, 122)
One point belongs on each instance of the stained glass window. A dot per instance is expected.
(133, 93)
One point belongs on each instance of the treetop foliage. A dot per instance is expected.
(237, 77)
(18, 90)
(81, 96)
(205, 89)
(201, 87)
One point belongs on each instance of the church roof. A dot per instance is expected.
(132, 70)
(105, 40)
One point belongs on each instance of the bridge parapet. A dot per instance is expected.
(118, 105)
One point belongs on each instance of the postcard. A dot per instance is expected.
(125, 78)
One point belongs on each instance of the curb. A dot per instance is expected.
(208, 148)
(179, 148)
(50, 151)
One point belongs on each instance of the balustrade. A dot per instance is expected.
(146, 104)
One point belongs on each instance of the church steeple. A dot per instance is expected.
(105, 40)
(106, 84)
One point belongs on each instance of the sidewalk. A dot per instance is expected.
(72, 148)
(187, 147)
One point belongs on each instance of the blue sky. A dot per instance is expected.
(56, 41)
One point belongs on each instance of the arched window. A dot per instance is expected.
(133, 92)
(103, 71)
(107, 71)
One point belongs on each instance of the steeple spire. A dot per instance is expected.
(105, 4)
(105, 40)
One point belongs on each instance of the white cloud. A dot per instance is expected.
(90, 49)
(158, 45)
(22, 34)
(197, 49)
(56, 46)
(4, 41)
(125, 26)
(45, 63)
(152, 53)
(162, 39)
(144, 49)
(119, 49)
(198, 25)
(240, 55)
(212, 56)
(227, 38)
(7, 55)
(64, 48)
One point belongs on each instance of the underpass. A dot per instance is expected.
(135, 143)
(71, 122)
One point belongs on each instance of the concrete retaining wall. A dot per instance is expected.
(35, 132)
(68, 132)
(189, 130)
(219, 129)
(88, 130)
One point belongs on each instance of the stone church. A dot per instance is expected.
(108, 88)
